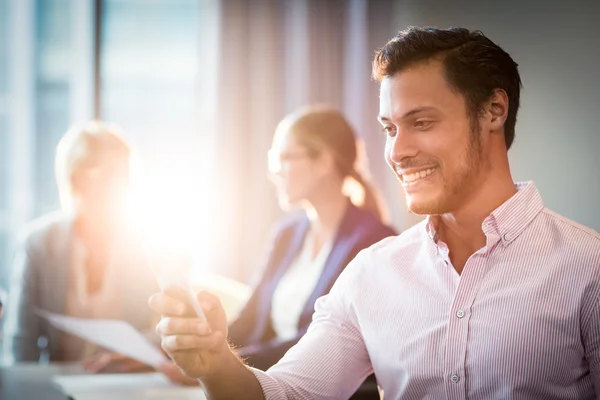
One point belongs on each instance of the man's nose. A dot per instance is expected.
(403, 146)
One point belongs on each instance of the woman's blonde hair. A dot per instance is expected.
(84, 148)
(321, 128)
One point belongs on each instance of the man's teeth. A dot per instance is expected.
(417, 175)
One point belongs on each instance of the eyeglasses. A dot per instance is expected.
(276, 159)
(104, 173)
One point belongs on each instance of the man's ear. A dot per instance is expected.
(498, 109)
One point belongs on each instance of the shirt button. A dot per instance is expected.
(454, 378)
(507, 237)
(460, 313)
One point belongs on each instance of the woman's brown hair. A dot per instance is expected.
(321, 128)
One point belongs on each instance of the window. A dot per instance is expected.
(150, 78)
(154, 86)
(53, 72)
(154, 64)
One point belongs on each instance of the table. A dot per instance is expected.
(33, 381)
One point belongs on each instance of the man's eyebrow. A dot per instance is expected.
(418, 110)
(414, 111)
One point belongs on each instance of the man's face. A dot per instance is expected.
(432, 145)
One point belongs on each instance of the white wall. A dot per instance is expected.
(557, 47)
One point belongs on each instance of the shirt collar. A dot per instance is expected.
(509, 219)
(513, 216)
(430, 223)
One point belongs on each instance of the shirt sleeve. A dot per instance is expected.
(591, 339)
(331, 360)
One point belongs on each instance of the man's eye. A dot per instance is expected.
(389, 130)
(423, 124)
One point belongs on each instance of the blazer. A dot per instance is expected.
(40, 279)
(253, 330)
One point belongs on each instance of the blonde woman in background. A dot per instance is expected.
(314, 165)
(83, 260)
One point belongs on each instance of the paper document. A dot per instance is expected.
(114, 335)
(146, 386)
(78, 383)
(175, 393)
(232, 293)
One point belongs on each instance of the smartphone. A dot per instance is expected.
(174, 276)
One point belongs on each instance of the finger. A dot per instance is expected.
(170, 371)
(97, 366)
(88, 362)
(114, 357)
(176, 343)
(208, 301)
(179, 293)
(165, 366)
(122, 361)
(167, 305)
(102, 362)
(118, 357)
(174, 326)
(89, 368)
(93, 358)
(131, 365)
(171, 375)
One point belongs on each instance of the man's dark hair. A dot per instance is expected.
(474, 66)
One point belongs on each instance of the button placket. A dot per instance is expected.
(460, 315)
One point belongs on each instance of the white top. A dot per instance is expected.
(521, 323)
(105, 303)
(296, 286)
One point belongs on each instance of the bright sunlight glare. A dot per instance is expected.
(173, 211)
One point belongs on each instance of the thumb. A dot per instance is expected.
(208, 301)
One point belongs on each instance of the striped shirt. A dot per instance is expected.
(522, 321)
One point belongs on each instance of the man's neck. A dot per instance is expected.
(461, 229)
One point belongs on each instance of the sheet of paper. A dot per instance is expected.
(118, 336)
(232, 293)
(175, 393)
(84, 382)
(149, 386)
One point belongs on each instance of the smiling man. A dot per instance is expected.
(493, 296)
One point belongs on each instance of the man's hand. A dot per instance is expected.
(198, 348)
(111, 363)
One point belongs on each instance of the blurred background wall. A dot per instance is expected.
(557, 47)
(199, 86)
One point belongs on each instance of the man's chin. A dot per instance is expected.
(419, 210)
(424, 207)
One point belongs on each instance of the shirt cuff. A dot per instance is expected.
(270, 387)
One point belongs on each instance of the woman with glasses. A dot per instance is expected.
(82, 261)
(314, 165)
